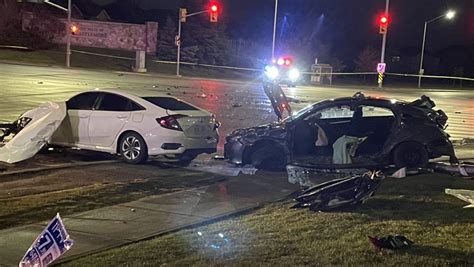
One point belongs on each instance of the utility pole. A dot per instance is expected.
(384, 41)
(68, 30)
(178, 44)
(274, 28)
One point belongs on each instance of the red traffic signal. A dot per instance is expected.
(383, 20)
(213, 10)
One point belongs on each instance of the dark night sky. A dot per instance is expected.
(348, 25)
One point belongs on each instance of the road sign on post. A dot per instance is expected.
(381, 67)
(177, 40)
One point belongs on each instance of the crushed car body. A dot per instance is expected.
(34, 129)
(340, 193)
(376, 132)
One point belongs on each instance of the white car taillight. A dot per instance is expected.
(171, 122)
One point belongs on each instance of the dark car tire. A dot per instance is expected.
(132, 148)
(268, 157)
(411, 155)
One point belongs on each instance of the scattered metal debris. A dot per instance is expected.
(340, 193)
(236, 105)
(465, 195)
(466, 170)
(391, 242)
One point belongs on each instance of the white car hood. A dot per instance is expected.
(37, 133)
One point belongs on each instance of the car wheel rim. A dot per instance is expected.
(131, 148)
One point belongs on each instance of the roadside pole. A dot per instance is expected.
(183, 14)
(68, 28)
(274, 28)
(178, 44)
(384, 41)
(68, 31)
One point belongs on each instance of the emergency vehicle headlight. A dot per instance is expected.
(294, 74)
(271, 72)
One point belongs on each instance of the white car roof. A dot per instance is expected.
(138, 99)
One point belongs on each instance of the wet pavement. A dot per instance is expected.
(113, 226)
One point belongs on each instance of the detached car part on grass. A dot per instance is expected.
(406, 134)
(26, 136)
(341, 193)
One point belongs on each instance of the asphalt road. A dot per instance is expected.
(237, 104)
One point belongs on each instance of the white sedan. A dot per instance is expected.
(137, 127)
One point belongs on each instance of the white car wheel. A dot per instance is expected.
(133, 149)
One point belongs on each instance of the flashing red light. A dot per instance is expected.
(214, 7)
(287, 62)
(383, 20)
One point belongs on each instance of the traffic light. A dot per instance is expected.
(383, 23)
(183, 12)
(213, 10)
(74, 29)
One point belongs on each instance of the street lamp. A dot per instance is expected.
(449, 15)
(274, 28)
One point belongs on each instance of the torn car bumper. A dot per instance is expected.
(37, 132)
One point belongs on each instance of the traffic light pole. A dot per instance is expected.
(274, 28)
(178, 44)
(68, 28)
(384, 42)
(68, 45)
(178, 41)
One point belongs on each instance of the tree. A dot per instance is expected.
(367, 59)
(8, 15)
(166, 47)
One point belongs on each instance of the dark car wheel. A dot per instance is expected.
(132, 148)
(410, 154)
(268, 157)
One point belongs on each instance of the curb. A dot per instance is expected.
(56, 167)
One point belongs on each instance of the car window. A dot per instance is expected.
(370, 111)
(83, 101)
(169, 103)
(113, 102)
(335, 112)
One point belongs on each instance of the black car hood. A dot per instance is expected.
(272, 130)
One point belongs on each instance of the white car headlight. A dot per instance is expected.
(272, 72)
(294, 74)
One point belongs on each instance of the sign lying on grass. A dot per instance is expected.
(90, 33)
(49, 245)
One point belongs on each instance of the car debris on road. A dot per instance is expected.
(340, 193)
(465, 195)
(26, 136)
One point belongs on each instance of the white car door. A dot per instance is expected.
(107, 121)
(74, 130)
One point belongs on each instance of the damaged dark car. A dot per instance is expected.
(356, 131)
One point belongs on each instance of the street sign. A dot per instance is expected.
(177, 40)
(381, 67)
